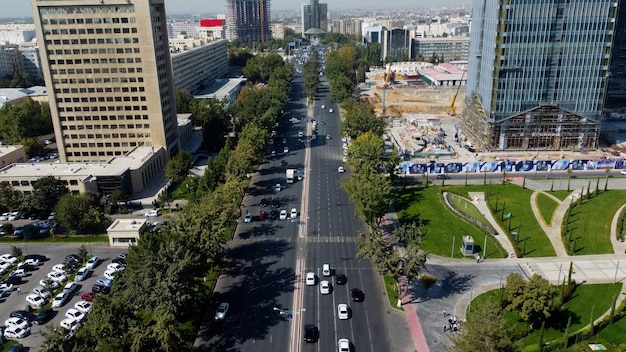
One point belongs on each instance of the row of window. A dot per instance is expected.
(97, 80)
(103, 118)
(94, 51)
(102, 108)
(26, 183)
(98, 61)
(100, 99)
(89, 20)
(99, 90)
(80, 71)
(99, 41)
(87, 9)
(104, 145)
(88, 31)
(78, 156)
(106, 127)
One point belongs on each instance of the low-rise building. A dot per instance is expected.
(126, 232)
(197, 63)
(10, 154)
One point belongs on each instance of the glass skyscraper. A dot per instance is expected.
(538, 70)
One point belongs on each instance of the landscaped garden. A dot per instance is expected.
(547, 205)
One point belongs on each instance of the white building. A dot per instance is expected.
(198, 67)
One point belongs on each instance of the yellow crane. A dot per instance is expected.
(451, 111)
(388, 78)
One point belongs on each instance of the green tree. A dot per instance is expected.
(32, 146)
(81, 213)
(184, 100)
(10, 199)
(46, 193)
(370, 192)
(366, 149)
(178, 167)
(536, 302)
(82, 251)
(359, 118)
(485, 330)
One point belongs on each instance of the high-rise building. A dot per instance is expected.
(248, 20)
(108, 73)
(537, 76)
(347, 26)
(396, 45)
(314, 15)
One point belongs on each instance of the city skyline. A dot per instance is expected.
(180, 7)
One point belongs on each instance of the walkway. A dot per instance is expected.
(553, 230)
(478, 199)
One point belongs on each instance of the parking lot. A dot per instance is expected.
(55, 253)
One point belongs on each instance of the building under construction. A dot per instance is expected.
(248, 20)
(538, 73)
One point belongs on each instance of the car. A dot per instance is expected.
(83, 306)
(53, 285)
(623, 172)
(345, 158)
(60, 268)
(342, 311)
(284, 140)
(344, 139)
(70, 287)
(283, 163)
(7, 286)
(152, 213)
(120, 261)
(22, 314)
(262, 215)
(18, 232)
(340, 279)
(116, 267)
(310, 333)
(93, 262)
(39, 257)
(100, 289)
(323, 106)
(89, 297)
(294, 213)
(5, 216)
(19, 322)
(43, 316)
(264, 202)
(82, 274)
(19, 272)
(328, 136)
(42, 292)
(75, 314)
(9, 258)
(12, 279)
(69, 324)
(121, 256)
(357, 295)
(18, 347)
(286, 150)
(60, 299)
(443, 177)
(15, 332)
(16, 215)
(30, 261)
(35, 300)
(326, 270)
(300, 134)
(283, 214)
(57, 276)
(310, 279)
(110, 274)
(220, 314)
(247, 218)
(278, 187)
(103, 281)
(341, 170)
(343, 345)
(331, 110)
(324, 287)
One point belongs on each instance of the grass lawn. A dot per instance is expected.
(562, 195)
(466, 206)
(546, 206)
(578, 307)
(392, 292)
(505, 199)
(441, 225)
(612, 337)
(590, 222)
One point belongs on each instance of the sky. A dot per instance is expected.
(21, 8)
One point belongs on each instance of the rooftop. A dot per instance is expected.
(221, 88)
(125, 225)
(444, 72)
(8, 149)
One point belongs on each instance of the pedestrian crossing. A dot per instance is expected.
(328, 239)
(308, 239)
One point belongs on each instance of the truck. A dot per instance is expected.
(290, 175)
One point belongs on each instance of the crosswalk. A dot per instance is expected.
(308, 239)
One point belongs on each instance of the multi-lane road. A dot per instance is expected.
(263, 278)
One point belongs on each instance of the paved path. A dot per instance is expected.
(619, 247)
(478, 199)
(553, 230)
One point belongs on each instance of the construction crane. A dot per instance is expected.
(451, 111)
(388, 79)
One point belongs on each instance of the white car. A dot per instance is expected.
(42, 292)
(116, 267)
(623, 172)
(53, 285)
(310, 279)
(323, 106)
(220, 314)
(82, 274)
(326, 269)
(8, 287)
(60, 268)
(60, 299)
(5, 216)
(300, 134)
(341, 169)
(93, 262)
(344, 139)
(345, 158)
(18, 272)
(35, 300)
(247, 218)
(283, 214)
(331, 110)
(57, 276)
(278, 187)
(83, 306)
(14, 332)
(75, 314)
(342, 311)
(31, 261)
(324, 287)
(294, 213)
(8, 258)
(152, 213)
(14, 216)
(343, 345)
(69, 324)
(286, 150)
(70, 287)
(19, 322)
(110, 274)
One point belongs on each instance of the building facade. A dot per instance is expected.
(445, 49)
(350, 26)
(248, 20)
(396, 44)
(198, 67)
(108, 72)
(537, 73)
(314, 15)
(616, 94)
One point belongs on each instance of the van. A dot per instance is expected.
(326, 269)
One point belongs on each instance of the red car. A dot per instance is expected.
(87, 297)
(262, 215)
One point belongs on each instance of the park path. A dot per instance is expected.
(553, 230)
(619, 247)
(478, 199)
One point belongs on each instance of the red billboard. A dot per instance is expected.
(211, 23)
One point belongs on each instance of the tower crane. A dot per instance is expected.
(388, 78)
(451, 111)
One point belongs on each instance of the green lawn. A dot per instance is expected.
(612, 337)
(578, 307)
(441, 225)
(466, 206)
(391, 288)
(591, 221)
(515, 200)
(546, 206)
(562, 195)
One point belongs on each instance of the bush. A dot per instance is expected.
(428, 280)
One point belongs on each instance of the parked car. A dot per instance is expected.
(19, 322)
(69, 324)
(42, 292)
(73, 258)
(152, 213)
(60, 299)
(247, 218)
(60, 268)
(89, 296)
(110, 274)
(70, 287)
(116, 267)
(443, 177)
(15, 332)
(30, 261)
(294, 213)
(13, 280)
(75, 314)
(35, 300)
(16, 215)
(8, 258)
(22, 314)
(83, 306)
(53, 285)
(5, 216)
(39, 257)
(44, 316)
(18, 347)
(283, 214)
(220, 314)
(93, 262)
(57, 276)
(82, 274)
(19, 272)
(100, 289)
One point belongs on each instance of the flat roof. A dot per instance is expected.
(125, 225)
(444, 72)
(220, 88)
(8, 149)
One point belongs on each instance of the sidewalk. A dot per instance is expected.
(478, 199)
(553, 230)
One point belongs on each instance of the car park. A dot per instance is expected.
(93, 262)
(15, 332)
(60, 299)
(283, 214)
(83, 306)
(342, 311)
(340, 279)
(343, 345)
(326, 270)
(357, 295)
(310, 279)
(75, 314)
(82, 274)
(325, 287)
(42, 292)
(294, 213)
(35, 300)
(44, 316)
(220, 314)
(310, 333)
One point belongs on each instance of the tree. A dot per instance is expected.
(46, 193)
(10, 198)
(359, 119)
(485, 330)
(82, 252)
(536, 301)
(32, 146)
(81, 213)
(178, 167)
(366, 149)
(184, 100)
(370, 192)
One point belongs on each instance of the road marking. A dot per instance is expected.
(327, 239)
(367, 320)
(296, 318)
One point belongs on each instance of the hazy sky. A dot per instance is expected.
(21, 8)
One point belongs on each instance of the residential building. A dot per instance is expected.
(108, 72)
(199, 65)
(30, 60)
(372, 32)
(350, 26)
(278, 30)
(186, 28)
(616, 93)
(396, 44)
(444, 48)
(314, 15)
(16, 33)
(248, 20)
(212, 29)
(537, 74)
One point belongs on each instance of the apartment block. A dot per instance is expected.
(248, 20)
(198, 67)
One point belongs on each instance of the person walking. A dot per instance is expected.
(19, 291)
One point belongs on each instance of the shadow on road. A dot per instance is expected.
(450, 284)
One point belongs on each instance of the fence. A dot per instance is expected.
(475, 221)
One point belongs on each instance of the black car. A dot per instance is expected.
(357, 295)
(275, 204)
(12, 279)
(27, 267)
(119, 261)
(283, 162)
(100, 289)
(18, 347)
(310, 333)
(273, 214)
(73, 258)
(263, 202)
(443, 177)
(44, 316)
(22, 314)
(340, 279)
